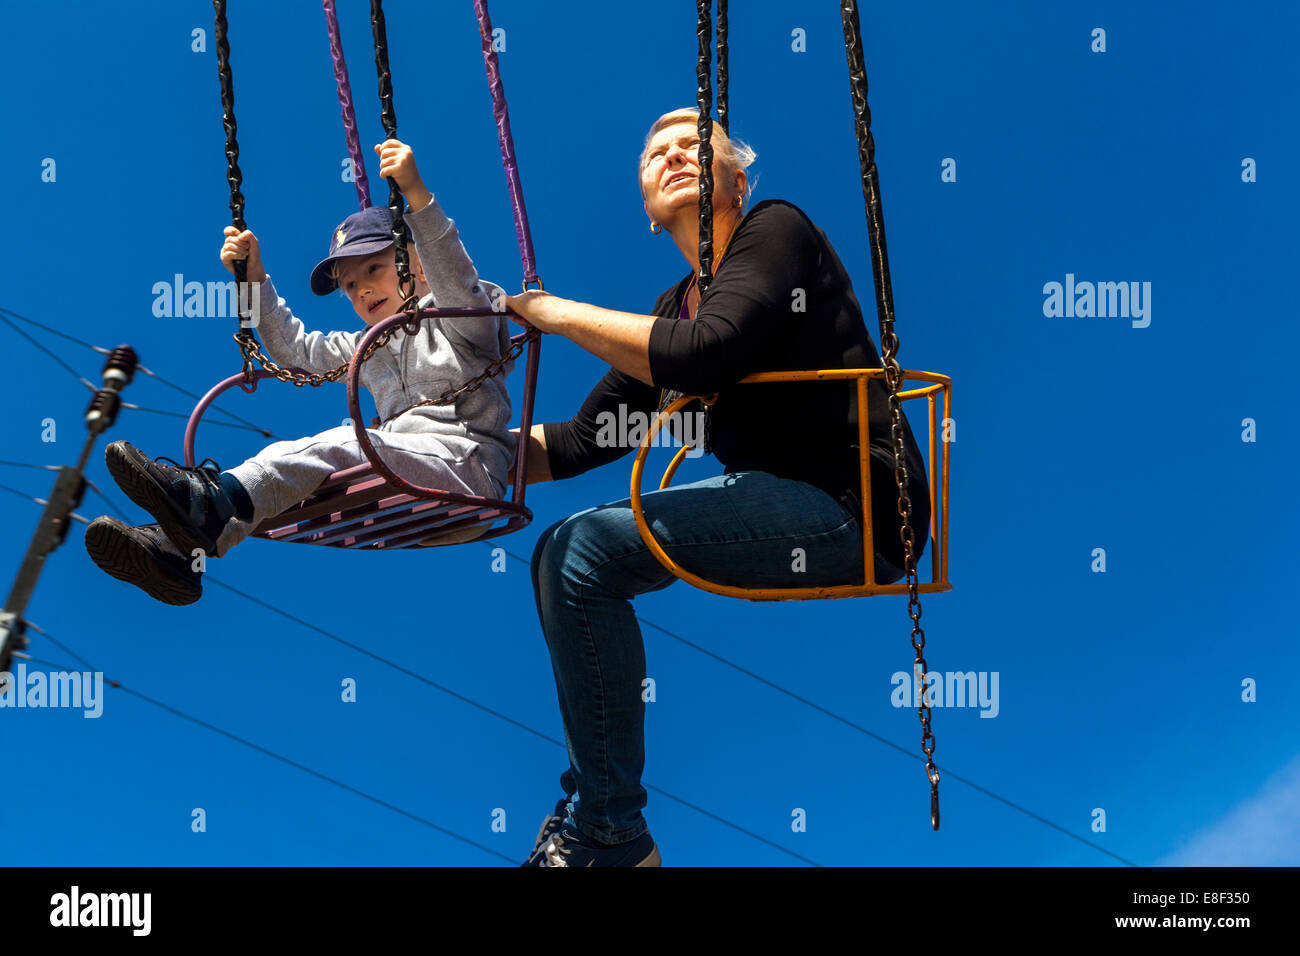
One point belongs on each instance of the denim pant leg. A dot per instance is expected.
(739, 528)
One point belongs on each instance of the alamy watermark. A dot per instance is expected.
(128, 910)
(947, 689)
(207, 300)
(1104, 300)
(80, 689)
(626, 429)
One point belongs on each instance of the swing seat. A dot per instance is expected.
(370, 507)
(357, 508)
(938, 530)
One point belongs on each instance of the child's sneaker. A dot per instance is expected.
(144, 557)
(568, 846)
(189, 503)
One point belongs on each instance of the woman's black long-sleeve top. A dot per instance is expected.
(781, 300)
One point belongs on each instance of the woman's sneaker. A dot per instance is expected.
(568, 846)
(550, 825)
(144, 557)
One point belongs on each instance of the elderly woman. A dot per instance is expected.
(780, 299)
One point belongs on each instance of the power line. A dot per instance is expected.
(907, 752)
(109, 501)
(677, 637)
(23, 464)
(139, 368)
(67, 650)
(483, 707)
(269, 753)
(738, 668)
(446, 690)
(185, 415)
(42, 502)
(75, 374)
(89, 484)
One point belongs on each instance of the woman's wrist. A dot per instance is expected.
(541, 310)
(554, 313)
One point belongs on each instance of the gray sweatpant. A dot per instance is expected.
(285, 472)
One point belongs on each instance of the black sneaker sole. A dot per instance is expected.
(131, 477)
(111, 546)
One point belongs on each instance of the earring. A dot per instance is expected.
(656, 228)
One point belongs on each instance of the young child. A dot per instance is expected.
(465, 447)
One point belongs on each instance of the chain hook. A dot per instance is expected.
(411, 306)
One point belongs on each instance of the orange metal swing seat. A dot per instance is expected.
(938, 482)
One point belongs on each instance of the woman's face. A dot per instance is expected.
(670, 176)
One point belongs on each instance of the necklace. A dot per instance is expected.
(686, 298)
(668, 395)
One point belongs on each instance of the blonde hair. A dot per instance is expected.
(336, 268)
(735, 155)
(417, 269)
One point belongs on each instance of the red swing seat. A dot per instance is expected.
(369, 506)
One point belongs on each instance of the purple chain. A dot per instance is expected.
(345, 102)
(502, 115)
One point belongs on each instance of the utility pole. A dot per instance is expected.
(69, 486)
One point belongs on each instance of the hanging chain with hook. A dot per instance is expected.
(893, 371)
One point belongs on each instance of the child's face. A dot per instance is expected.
(370, 283)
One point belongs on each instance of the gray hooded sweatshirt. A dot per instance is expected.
(445, 353)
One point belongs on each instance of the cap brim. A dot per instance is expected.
(322, 283)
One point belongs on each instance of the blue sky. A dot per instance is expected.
(1119, 690)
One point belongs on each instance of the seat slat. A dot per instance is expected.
(367, 527)
(343, 520)
(352, 496)
(320, 528)
(485, 515)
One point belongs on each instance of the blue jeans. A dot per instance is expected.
(738, 528)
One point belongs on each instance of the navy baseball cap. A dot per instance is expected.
(362, 233)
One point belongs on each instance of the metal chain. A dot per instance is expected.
(251, 349)
(705, 102)
(668, 395)
(492, 369)
(724, 105)
(893, 371)
(233, 176)
(253, 353)
(396, 204)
